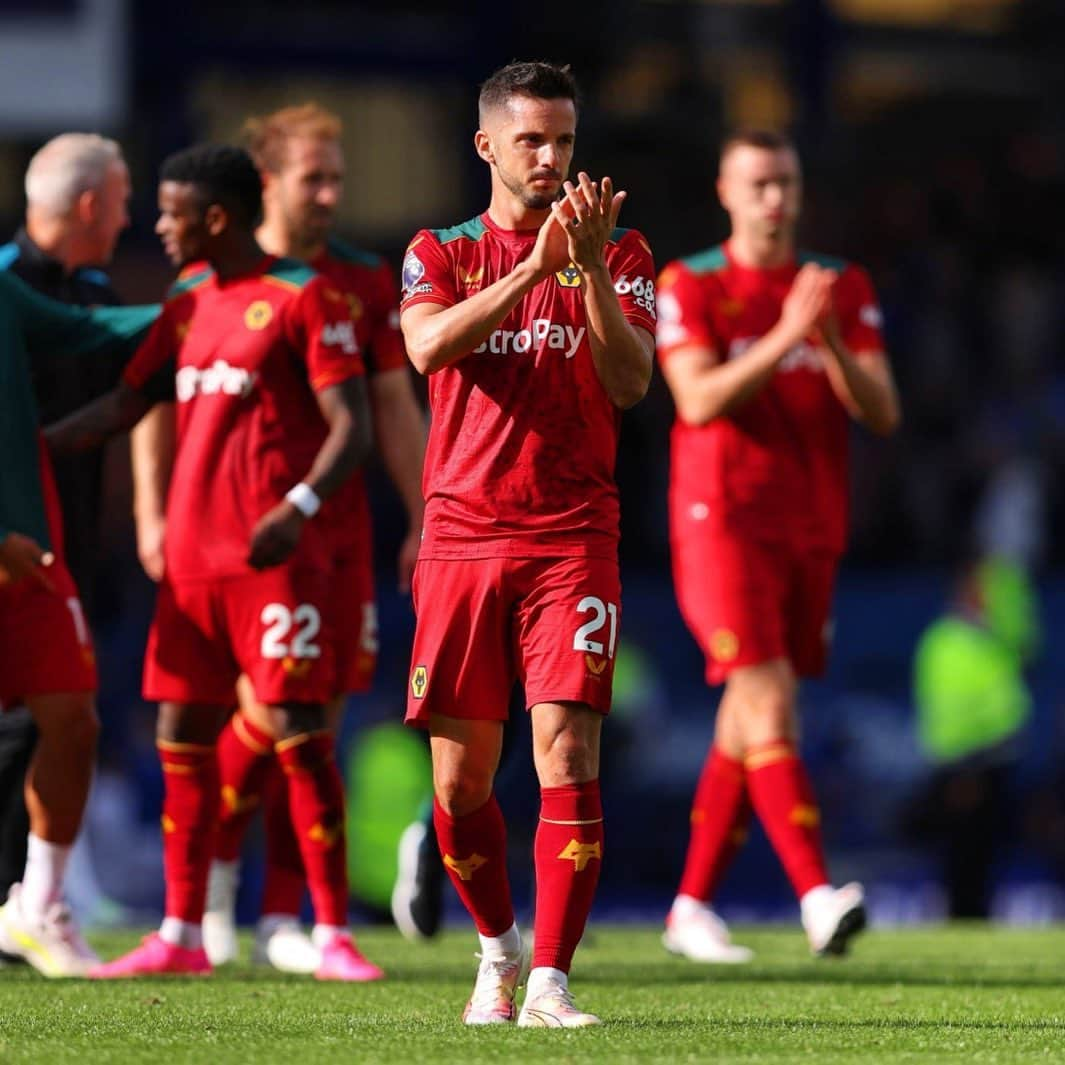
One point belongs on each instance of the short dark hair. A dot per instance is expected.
(769, 139)
(542, 81)
(224, 174)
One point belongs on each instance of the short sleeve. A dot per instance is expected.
(632, 267)
(428, 273)
(156, 355)
(387, 351)
(860, 318)
(682, 318)
(323, 335)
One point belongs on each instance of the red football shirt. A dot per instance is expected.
(523, 440)
(777, 467)
(369, 288)
(249, 353)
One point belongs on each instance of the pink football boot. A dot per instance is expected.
(154, 957)
(341, 960)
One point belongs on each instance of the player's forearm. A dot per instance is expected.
(722, 389)
(437, 340)
(152, 444)
(347, 443)
(622, 362)
(870, 398)
(93, 425)
(400, 431)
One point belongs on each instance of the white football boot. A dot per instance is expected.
(51, 943)
(498, 979)
(280, 941)
(552, 1006)
(695, 931)
(832, 917)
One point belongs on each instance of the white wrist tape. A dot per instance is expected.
(304, 498)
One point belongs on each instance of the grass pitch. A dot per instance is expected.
(969, 994)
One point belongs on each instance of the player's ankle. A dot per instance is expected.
(179, 933)
(505, 945)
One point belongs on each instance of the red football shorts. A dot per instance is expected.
(355, 624)
(748, 602)
(45, 644)
(274, 626)
(484, 623)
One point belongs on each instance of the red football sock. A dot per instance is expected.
(245, 754)
(316, 805)
(190, 813)
(283, 877)
(474, 851)
(784, 801)
(568, 854)
(719, 818)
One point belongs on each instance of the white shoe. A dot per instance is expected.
(52, 943)
(284, 945)
(492, 1000)
(219, 918)
(833, 918)
(696, 932)
(554, 1007)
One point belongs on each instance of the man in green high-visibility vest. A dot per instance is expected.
(972, 704)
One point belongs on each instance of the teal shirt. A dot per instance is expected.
(30, 322)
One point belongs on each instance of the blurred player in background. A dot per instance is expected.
(534, 322)
(272, 418)
(298, 152)
(77, 191)
(47, 661)
(767, 351)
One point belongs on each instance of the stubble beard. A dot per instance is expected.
(529, 198)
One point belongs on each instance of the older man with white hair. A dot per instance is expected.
(77, 191)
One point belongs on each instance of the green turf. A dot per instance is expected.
(929, 995)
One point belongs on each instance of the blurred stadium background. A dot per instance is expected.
(933, 137)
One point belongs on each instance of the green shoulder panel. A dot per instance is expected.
(617, 233)
(829, 262)
(292, 272)
(187, 284)
(706, 262)
(474, 229)
(348, 253)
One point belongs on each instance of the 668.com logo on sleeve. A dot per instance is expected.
(642, 288)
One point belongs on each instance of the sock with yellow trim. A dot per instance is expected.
(190, 815)
(784, 801)
(474, 852)
(568, 854)
(720, 815)
(245, 754)
(316, 805)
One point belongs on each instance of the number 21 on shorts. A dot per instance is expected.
(600, 611)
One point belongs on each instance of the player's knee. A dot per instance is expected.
(461, 790)
(570, 758)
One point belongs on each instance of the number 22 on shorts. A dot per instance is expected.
(303, 624)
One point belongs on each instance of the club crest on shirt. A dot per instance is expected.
(570, 277)
(724, 645)
(419, 681)
(258, 315)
